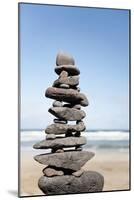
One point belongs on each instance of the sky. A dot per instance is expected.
(98, 39)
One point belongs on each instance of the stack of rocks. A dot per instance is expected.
(63, 173)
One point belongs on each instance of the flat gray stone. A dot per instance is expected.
(64, 59)
(67, 95)
(70, 114)
(64, 128)
(60, 121)
(73, 160)
(49, 171)
(70, 80)
(68, 184)
(64, 86)
(60, 143)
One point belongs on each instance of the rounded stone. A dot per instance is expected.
(57, 104)
(59, 151)
(89, 181)
(64, 59)
(77, 106)
(50, 136)
(49, 171)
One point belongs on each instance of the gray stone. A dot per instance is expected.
(64, 59)
(64, 128)
(70, 80)
(60, 143)
(69, 134)
(77, 106)
(63, 74)
(69, 105)
(77, 134)
(60, 121)
(64, 86)
(70, 114)
(59, 151)
(50, 136)
(67, 95)
(57, 104)
(78, 89)
(88, 182)
(49, 171)
(78, 148)
(71, 69)
(73, 160)
(78, 173)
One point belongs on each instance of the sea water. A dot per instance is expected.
(97, 140)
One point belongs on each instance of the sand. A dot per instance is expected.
(114, 166)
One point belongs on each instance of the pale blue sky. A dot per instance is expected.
(98, 39)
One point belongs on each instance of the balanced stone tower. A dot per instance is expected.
(63, 173)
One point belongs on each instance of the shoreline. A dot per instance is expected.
(113, 165)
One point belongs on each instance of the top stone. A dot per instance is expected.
(64, 59)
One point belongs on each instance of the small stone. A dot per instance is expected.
(50, 172)
(64, 128)
(89, 181)
(72, 81)
(60, 121)
(78, 173)
(64, 113)
(64, 59)
(79, 148)
(78, 89)
(57, 104)
(71, 69)
(59, 151)
(69, 133)
(64, 86)
(69, 95)
(77, 106)
(63, 74)
(50, 136)
(77, 134)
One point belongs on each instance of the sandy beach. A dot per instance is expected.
(113, 165)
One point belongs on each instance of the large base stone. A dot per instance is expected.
(88, 182)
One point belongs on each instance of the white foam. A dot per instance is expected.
(107, 135)
(27, 136)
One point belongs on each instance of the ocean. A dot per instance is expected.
(97, 140)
